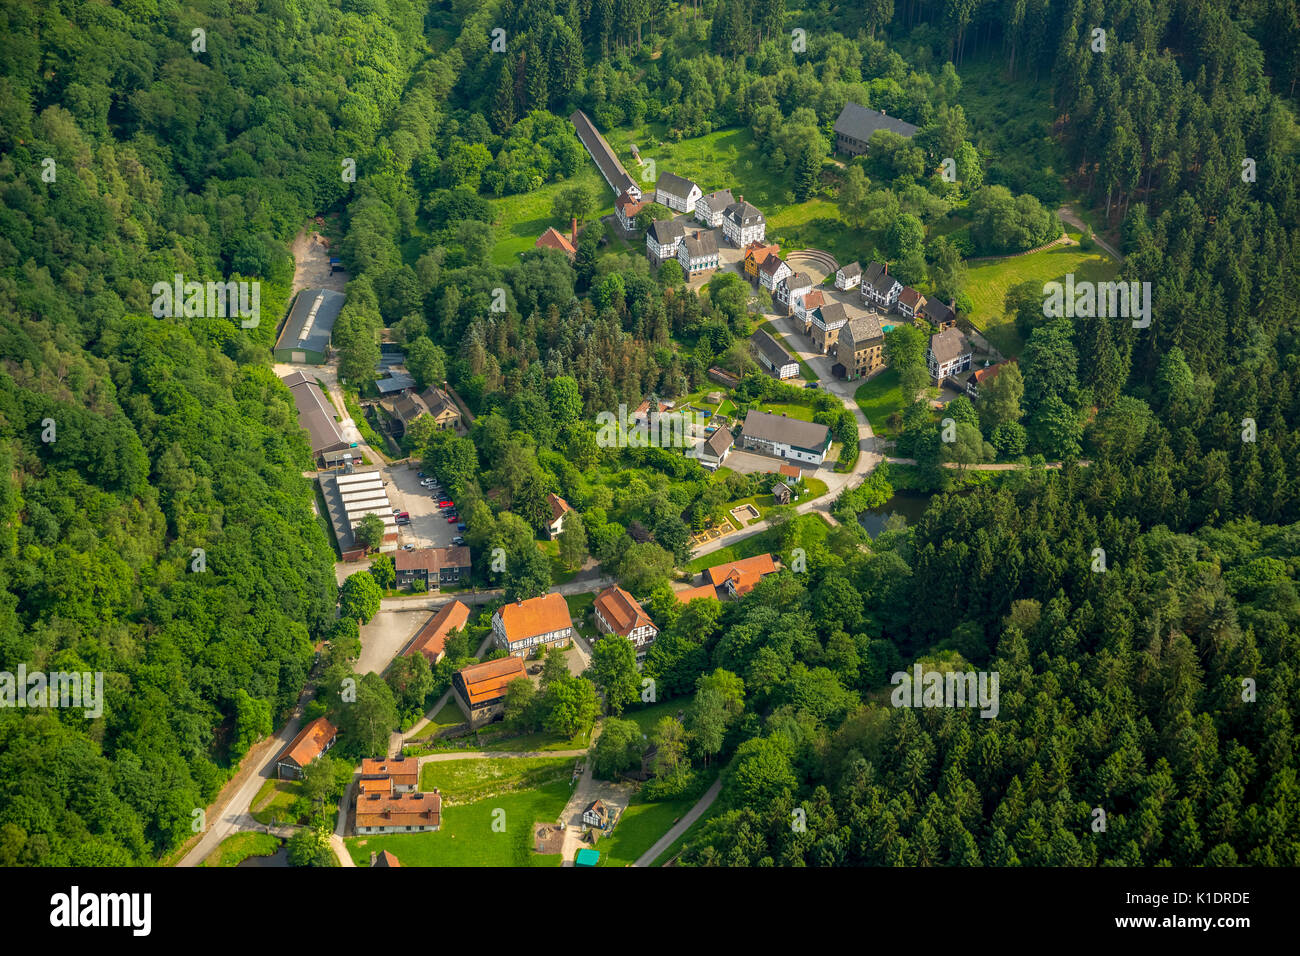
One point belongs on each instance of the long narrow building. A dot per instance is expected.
(606, 160)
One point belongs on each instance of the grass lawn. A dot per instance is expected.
(639, 826)
(807, 529)
(676, 846)
(559, 573)
(805, 370)
(276, 797)
(879, 398)
(467, 837)
(463, 781)
(789, 409)
(541, 741)
(580, 611)
(238, 847)
(449, 716)
(647, 716)
(520, 219)
(987, 284)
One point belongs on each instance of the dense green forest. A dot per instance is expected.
(1121, 690)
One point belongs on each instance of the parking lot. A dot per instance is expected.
(428, 527)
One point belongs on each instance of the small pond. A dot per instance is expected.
(909, 504)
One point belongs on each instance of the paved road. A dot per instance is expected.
(836, 482)
(681, 826)
(1068, 214)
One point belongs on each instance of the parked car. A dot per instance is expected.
(408, 547)
(811, 385)
(445, 503)
(419, 474)
(461, 526)
(458, 540)
(451, 519)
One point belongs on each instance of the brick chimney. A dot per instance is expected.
(574, 228)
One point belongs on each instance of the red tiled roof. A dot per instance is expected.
(559, 506)
(910, 297)
(432, 559)
(621, 610)
(553, 239)
(690, 594)
(814, 300)
(399, 810)
(539, 615)
(402, 771)
(487, 681)
(742, 574)
(431, 638)
(310, 742)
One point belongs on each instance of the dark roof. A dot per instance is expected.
(312, 320)
(937, 312)
(948, 345)
(666, 231)
(833, 313)
(701, 244)
(743, 214)
(772, 350)
(789, 431)
(718, 201)
(798, 280)
(865, 328)
(719, 441)
(850, 270)
(675, 185)
(396, 382)
(884, 282)
(601, 153)
(315, 414)
(859, 122)
(874, 271)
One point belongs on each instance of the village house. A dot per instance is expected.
(772, 270)
(597, 815)
(384, 860)
(618, 178)
(617, 612)
(982, 376)
(559, 509)
(704, 591)
(910, 302)
(783, 437)
(880, 288)
(626, 208)
(714, 450)
(806, 305)
(826, 324)
(402, 774)
(743, 224)
(773, 356)
(552, 238)
(856, 125)
(312, 741)
(399, 812)
(430, 640)
(781, 493)
(433, 567)
(941, 316)
(522, 627)
(738, 578)
(678, 194)
(405, 408)
(480, 689)
(949, 354)
(790, 289)
(662, 240)
(710, 208)
(848, 276)
(861, 347)
(698, 254)
(756, 254)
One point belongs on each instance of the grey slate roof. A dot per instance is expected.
(937, 312)
(701, 244)
(850, 270)
(797, 280)
(884, 282)
(312, 320)
(789, 431)
(606, 161)
(859, 123)
(666, 231)
(874, 271)
(863, 329)
(718, 201)
(833, 313)
(744, 214)
(674, 185)
(315, 414)
(949, 344)
(719, 442)
(771, 349)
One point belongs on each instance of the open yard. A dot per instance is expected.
(987, 284)
(880, 397)
(463, 781)
(521, 218)
(467, 836)
(238, 847)
(275, 801)
(638, 827)
(807, 529)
